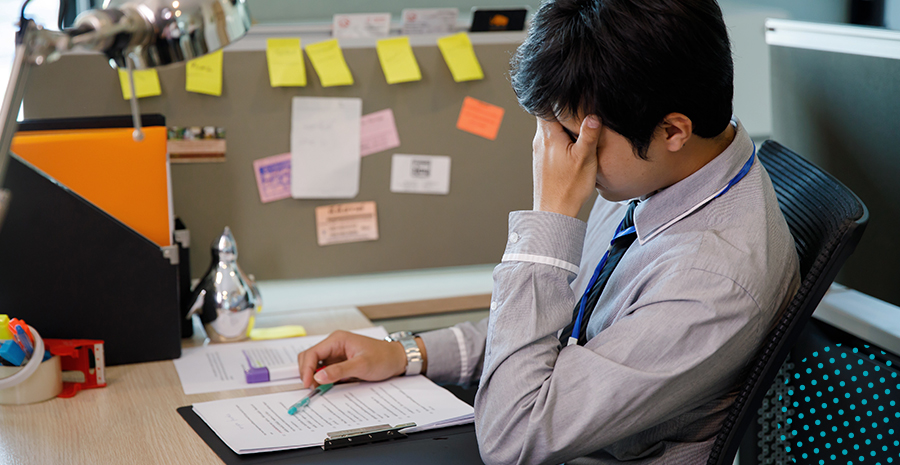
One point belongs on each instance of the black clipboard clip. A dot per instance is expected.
(367, 435)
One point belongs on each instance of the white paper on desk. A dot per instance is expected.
(220, 367)
(325, 147)
(420, 174)
(261, 423)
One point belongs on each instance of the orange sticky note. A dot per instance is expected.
(285, 61)
(480, 118)
(328, 61)
(204, 74)
(460, 57)
(146, 83)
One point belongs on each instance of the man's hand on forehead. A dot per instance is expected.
(564, 165)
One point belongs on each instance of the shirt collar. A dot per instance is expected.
(656, 213)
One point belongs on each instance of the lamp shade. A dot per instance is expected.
(161, 32)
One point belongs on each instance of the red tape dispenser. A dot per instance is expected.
(83, 363)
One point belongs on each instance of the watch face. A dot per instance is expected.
(399, 335)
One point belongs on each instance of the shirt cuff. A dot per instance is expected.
(444, 358)
(546, 238)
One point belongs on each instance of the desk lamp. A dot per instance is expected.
(133, 34)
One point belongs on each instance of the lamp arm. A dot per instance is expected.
(12, 100)
(36, 46)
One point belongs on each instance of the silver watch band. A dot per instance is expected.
(413, 354)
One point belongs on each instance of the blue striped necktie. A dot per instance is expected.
(615, 252)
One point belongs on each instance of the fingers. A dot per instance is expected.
(564, 165)
(350, 368)
(589, 135)
(331, 349)
(344, 355)
(552, 132)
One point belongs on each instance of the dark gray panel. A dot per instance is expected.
(841, 112)
(277, 240)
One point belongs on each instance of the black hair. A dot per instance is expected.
(630, 62)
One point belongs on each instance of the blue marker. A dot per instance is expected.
(21, 337)
(322, 389)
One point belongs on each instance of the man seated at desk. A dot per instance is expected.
(633, 98)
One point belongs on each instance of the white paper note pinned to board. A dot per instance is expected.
(325, 147)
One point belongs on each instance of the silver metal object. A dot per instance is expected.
(414, 358)
(148, 32)
(226, 299)
(165, 31)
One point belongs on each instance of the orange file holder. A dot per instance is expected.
(127, 179)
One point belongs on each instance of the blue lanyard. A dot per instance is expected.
(573, 339)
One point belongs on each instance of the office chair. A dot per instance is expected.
(826, 220)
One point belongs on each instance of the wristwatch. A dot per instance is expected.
(413, 354)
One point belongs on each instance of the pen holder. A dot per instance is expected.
(36, 381)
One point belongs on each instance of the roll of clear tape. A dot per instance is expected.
(35, 381)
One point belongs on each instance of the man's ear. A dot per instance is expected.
(678, 130)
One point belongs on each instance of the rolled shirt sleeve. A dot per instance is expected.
(456, 354)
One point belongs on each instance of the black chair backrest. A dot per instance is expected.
(827, 221)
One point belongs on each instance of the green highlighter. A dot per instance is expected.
(322, 389)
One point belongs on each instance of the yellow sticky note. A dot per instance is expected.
(397, 60)
(146, 83)
(278, 332)
(460, 57)
(204, 74)
(285, 60)
(328, 61)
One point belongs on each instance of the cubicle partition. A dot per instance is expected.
(834, 101)
(277, 240)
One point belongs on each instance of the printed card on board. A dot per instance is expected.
(273, 177)
(420, 174)
(428, 20)
(346, 222)
(349, 26)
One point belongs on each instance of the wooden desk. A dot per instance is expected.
(133, 420)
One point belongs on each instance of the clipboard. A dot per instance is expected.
(453, 445)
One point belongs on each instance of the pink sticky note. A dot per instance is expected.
(273, 177)
(377, 132)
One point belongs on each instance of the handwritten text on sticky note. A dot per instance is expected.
(204, 74)
(146, 83)
(397, 60)
(328, 61)
(273, 177)
(460, 57)
(285, 61)
(480, 118)
(346, 222)
(377, 132)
